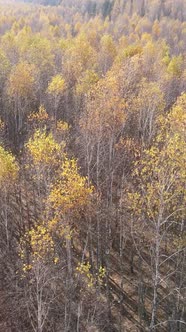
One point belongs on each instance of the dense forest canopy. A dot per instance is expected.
(92, 166)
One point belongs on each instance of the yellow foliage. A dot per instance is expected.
(21, 80)
(56, 260)
(132, 50)
(4, 65)
(8, 166)
(108, 46)
(40, 52)
(105, 109)
(27, 267)
(175, 66)
(177, 117)
(41, 242)
(83, 51)
(84, 269)
(1, 125)
(43, 148)
(41, 246)
(41, 116)
(161, 173)
(63, 230)
(70, 193)
(156, 29)
(57, 85)
(86, 82)
(62, 126)
(80, 56)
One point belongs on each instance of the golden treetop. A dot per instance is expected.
(8, 166)
(43, 148)
(70, 193)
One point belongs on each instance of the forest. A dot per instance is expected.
(93, 166)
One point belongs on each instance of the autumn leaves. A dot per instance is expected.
(65, 192)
